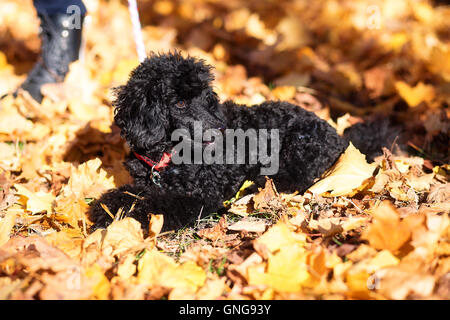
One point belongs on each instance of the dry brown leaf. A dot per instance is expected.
(34, 253)
(215, 233)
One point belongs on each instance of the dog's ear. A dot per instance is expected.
(204, 73)
(142, 122)
(200, 73)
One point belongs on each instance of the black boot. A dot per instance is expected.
(60, 46)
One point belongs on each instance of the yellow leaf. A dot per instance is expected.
(357, 283)
(423, 12)
(284, 92)
(347, 175)
(212, 289)
(397, 40)
(123, 69)
(152, 265)
(6, 225)
(286, 271)
(4, 66)
(88, 180)
(245, 185)
(11, 121)
(387, 231)
(383, 259)
(353, 223)
(188, 274)
(82, 110)
(415, 95)
(421, 183)
(440, 61)
(156, 224)
(100, 284)
(36, 201)
(71, 209)
(279, 236)
(68, 240)
(123, 235)
(156, 268)
(127, 268)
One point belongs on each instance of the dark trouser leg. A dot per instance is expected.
(60, 33)
(58, 6)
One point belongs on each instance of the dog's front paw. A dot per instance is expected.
(114, 202)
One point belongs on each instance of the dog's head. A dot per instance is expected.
(164, 93)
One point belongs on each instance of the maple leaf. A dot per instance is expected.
(216, 232)
(89, 180)
(348, 175)
(86, 181)
(415, 95)
(98, 281)
(387, 230)
(400, 281)
(35, 201)
(439, 61)
(407, 255)
(34, 253)
(6, 225)
(71, 209)
(286, 271)
(120, 237)
(155, 268)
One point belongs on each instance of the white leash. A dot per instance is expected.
(134, 14)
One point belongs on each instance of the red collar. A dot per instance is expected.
(164, 162)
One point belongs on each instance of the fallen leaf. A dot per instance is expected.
(397, 283)
(156, 224)
(387, 230)
(6, 225)
(157, 269)
(352, 168)
(249, 226)
(99, 283)
(284, 92)
(415, 95)
(286, 271)
(214, 233)
(36, 201)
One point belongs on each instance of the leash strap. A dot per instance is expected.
(134, 14)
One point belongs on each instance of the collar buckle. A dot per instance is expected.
(155, 176)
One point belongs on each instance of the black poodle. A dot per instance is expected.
(168, 92)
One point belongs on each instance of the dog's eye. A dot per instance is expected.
(181, 104)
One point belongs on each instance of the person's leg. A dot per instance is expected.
(57, 6)
(60, 33)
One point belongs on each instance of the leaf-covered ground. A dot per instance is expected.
(363, 231)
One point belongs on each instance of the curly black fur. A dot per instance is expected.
(148, 111)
